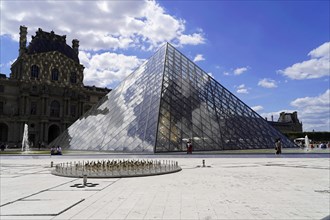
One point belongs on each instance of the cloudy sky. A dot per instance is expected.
(273, 55)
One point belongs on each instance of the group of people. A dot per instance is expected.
(321, 145)
(278, 146)
(56, 150)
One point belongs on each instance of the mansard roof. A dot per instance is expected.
(46, 42)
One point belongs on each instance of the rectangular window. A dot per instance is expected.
(34, 71)
(55, 74)
(33, 108)
(73, 78)
(1, 108)
(73, 110)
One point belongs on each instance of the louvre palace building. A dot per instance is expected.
(45, 89)
(288, 122)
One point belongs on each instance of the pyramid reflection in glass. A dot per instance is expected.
(161, 105)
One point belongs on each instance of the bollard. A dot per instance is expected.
(203, 163)
(51, 164)
(85, 180)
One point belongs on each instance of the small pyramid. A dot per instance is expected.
(164, 103)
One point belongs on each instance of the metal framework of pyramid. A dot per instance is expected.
(161, 105)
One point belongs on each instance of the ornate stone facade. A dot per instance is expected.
(287, 123)
(45, 89)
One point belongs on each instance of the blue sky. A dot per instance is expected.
(273, 55)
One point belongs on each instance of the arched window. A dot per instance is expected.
(55, 109)
(55, 74)
(34, 71)
(73, 78)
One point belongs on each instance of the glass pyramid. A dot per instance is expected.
(161, 105)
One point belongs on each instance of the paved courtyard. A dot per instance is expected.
(230, 187)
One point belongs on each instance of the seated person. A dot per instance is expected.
(52, 151)
(59, 150)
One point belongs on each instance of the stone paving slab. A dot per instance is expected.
(230, 188)
(38, 207)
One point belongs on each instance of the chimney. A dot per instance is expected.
(272, 118)
(75, 46)
(22, 40)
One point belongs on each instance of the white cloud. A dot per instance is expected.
(316, 67)
(314, 111)
(239, 71)
(321, 51)
(321, 100)
(199, 57)
(103, 6)
(257, 108)
(242, 89)
(193, 39)
(109, 25)
(267, 83)
(106, 69)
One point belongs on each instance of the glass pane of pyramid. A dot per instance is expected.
(161, 105)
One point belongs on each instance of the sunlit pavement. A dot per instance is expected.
(290, 186)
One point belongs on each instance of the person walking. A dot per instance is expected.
(278, 146)
(189, 147)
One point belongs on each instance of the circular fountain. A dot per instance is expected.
(116, 168)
